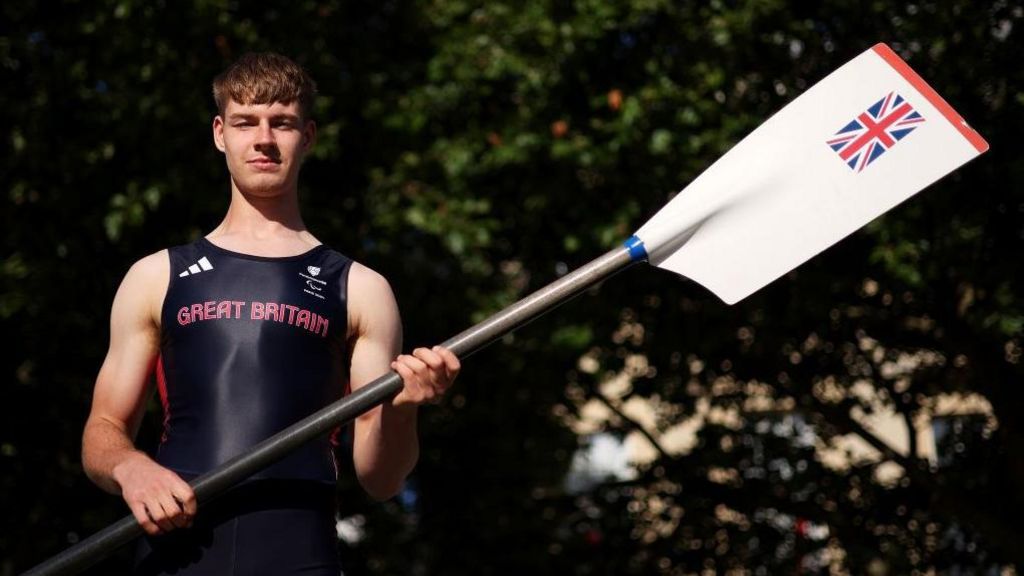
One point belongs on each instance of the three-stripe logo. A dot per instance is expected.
(202, 265)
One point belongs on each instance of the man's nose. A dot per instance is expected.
(264, 135)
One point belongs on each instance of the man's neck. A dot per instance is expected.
(258, 223)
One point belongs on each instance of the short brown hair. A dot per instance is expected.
(264, 78)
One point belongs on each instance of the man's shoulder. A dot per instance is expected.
(151, 270)
(363, 278)
(142, 290)
(155, 262)
(370, 299)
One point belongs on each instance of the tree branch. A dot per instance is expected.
(908, 419)
(993, 528)
(635, 425)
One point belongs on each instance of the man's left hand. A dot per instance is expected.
(427, 373)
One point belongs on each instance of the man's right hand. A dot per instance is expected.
(160, 500)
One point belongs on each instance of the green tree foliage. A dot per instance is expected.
(473, 153)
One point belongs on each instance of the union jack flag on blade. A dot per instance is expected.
(873, 132)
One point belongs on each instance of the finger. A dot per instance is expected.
(182, 519)
(415, 364)
(434, 374)
(186, 517)
(430, 358)
(142, 517)
(157, 515)
(174, 511)
(186, 498)
(450, 360)
(408, 377)
(439, 391)
(413, 390)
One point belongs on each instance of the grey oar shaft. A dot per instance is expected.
(96, 547)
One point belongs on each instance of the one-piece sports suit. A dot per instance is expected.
(249, 345)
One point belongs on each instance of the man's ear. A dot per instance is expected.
(218, 132)
(308, 135)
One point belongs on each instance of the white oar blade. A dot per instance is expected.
(860, 141)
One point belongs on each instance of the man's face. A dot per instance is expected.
(264, 145)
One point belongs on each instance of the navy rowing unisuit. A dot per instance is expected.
(249, 345)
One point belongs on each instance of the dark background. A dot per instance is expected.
(471, 153)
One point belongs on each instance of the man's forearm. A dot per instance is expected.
(158, 498)
(105, 447)
(387, 450)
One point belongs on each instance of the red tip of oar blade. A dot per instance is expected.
(931, 95)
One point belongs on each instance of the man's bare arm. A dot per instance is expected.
(159, 499)
(386, 446)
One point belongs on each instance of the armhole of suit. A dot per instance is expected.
(343, 278)
(161, 310)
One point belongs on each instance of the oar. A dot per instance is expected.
(860, 141)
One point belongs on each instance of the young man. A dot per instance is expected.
(249, 329)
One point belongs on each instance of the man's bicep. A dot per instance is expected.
(377, 326)
(122, 383)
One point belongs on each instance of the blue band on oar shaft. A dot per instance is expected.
(636, 248)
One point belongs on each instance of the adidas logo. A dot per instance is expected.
(203, 265)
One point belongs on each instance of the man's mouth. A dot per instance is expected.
(264, 162)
